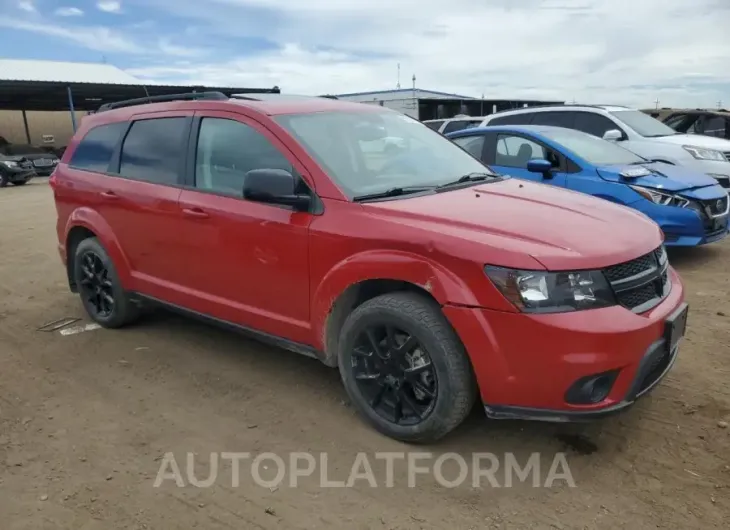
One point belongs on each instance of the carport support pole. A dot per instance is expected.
(71, 107)
(27, 130)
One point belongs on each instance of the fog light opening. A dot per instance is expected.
(591, 389)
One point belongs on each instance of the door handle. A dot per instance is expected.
(197, 213)
(109, 195)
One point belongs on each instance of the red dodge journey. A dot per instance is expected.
(357, 235)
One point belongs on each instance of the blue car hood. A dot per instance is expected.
(658, 175)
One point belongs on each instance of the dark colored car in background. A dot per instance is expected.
(42, 161)
(15, 170)
(707, 122)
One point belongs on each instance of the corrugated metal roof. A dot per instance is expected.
(404, 90)
(64, 72)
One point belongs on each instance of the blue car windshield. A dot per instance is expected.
(369, 152)
(593, 150)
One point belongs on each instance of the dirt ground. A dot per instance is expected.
(86, 418)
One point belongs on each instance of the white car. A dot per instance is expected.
(454, 124)
(632, 129)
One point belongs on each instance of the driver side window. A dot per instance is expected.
(227, 150)
(516, 151)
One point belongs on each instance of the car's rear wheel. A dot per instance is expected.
(3, 180)
(99, 287)
(404, 367)
(19, 182)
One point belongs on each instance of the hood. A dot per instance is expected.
(17, 158)
(659, 175)
(512, 219)
(697, 140)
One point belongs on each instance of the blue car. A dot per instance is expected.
(691, 208)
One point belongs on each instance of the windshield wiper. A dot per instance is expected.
(392, 192)
(469, 177)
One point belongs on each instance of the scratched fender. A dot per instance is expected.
(91, 220)
(443, 285)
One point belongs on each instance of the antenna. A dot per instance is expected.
(656, 102)
(719, 104)
(397, 86)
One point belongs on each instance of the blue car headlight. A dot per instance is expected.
(552, 292)
(660, 197)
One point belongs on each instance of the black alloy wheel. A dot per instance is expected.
(96, 286)
(395, 374)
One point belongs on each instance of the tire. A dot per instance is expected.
(422, 319)
(20, 183)
(3, 180)
(122, 311)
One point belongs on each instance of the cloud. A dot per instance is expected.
(27, 6)
(93, 38)
(594, 51)
(68, 12)
(109, 6)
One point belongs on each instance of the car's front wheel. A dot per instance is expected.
(3, 180)
(405, 368)
(102, 295)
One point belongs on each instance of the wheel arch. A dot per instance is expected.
(365, 276)
(83, 224)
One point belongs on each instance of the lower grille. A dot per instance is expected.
(641, 283)
(716, 206)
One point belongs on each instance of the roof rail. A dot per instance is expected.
(547, 105)
(166, 97)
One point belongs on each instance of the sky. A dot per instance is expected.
(629, 52)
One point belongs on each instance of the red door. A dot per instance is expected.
(244, 262)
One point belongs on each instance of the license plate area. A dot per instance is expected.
(676, 326)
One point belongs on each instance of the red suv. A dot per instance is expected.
(359, 236)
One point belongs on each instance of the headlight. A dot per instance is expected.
(9, 163)
(552, 292)
(705, 154)
(660, 197)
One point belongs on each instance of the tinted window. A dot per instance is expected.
(515, 151)
(434, 124)
(474, 145)
(714, 126)
(595, 124)
(153, 150)
(227, 150)
(524, 118)
(95, 150)
(676, 121)
(460, 125)
(556, 119)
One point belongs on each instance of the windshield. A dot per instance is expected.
(371, 152)
(592, 149)
(643, 124)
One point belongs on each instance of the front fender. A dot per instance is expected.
(443, 285)
(91, 220)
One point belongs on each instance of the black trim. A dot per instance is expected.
(262, 336)
(212, 95)
(636, 391)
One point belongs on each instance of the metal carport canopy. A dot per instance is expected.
(31, 85)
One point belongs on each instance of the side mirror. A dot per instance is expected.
(540, 165)
(613, 135)
(274, 186)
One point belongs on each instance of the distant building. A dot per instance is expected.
(430, 104)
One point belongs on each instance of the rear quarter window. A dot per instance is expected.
(94, 151)
(153, 150)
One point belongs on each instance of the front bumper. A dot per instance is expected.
(682, 227)
(525, 364)
(18, 174)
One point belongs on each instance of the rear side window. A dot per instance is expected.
(434, 124)
(555, 119)
(460, 125)
(153, 150)
(594, 124)
(94, 152)
(523, 118)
